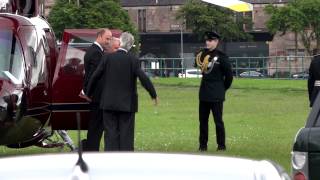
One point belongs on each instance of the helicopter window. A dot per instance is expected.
(31, 37)
(46, 45)
(41, 59)
(11, 57)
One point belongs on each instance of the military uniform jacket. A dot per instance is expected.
(314, 75)
(215, 83)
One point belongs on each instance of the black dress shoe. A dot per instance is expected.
(221, 148)
(202, 149)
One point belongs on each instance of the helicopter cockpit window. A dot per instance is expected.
(32, 39)
(46, 45)
(11, 57)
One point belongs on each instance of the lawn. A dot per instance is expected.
(261, 117)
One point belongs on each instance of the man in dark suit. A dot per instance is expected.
(119, 99)
(92, 59)
(216, 79)
(314, 77)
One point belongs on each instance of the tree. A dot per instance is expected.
(287, 18)
(300, 17)
(311, 11)
(201, 17)
(89, 14)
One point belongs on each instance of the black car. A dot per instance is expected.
(306, 149)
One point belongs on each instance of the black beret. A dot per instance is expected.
(210, 35)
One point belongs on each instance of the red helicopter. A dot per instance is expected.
(39, 84)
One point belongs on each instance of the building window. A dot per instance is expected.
(142, 20)
(248, 25)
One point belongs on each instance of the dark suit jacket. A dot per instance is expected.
(215, 84)
(92, 59)
(119, 72)
(314, 75)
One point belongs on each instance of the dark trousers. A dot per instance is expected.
(204, 112)
(119, 130)
(95, 129)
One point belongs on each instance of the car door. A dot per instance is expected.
(306, 149)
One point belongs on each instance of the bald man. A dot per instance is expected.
(113, 46)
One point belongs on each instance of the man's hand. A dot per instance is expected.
(83, 96)
(155, 101)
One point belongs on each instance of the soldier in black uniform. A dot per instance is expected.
(217, 78)
(314, 77)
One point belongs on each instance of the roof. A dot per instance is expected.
(14, 20)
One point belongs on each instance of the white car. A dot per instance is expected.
(138, 166)
(249, 74)
(302, 75)
(191, 73)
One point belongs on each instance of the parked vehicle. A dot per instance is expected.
(306, 149)
(301, 75)
(140, 166)
(190, 73)
(249, 74)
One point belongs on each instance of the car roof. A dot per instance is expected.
(138, 166)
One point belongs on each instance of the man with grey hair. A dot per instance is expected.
(119, 99)
(126, 41)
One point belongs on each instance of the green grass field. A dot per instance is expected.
(261, 117)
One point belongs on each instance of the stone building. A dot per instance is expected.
(162, 35)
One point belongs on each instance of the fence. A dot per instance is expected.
(270, 67)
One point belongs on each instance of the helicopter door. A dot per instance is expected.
(40, 94)
(67, 84)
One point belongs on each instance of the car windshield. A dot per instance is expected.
(11, 57)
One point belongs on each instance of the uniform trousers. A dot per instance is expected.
(204, 112)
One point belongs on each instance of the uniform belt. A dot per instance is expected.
(317, 83)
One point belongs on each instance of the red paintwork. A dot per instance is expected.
(51, 81)
(68, 78)
(26, 104)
